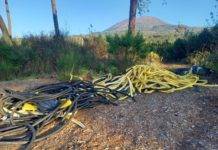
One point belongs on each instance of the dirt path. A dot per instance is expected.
(181, 120)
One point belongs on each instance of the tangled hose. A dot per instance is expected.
(27, 115)
(149, 78)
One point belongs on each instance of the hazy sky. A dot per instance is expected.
(75, 16)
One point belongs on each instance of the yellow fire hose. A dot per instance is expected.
(149, 78)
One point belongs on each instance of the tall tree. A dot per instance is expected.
(55, 17)
(5, 33)
(8, 18)
(141, 6)
(132, 16)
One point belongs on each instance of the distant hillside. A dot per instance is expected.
(151, 26)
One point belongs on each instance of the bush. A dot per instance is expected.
(68, 63)
(75, 62)
(207, 40)
(41, 52)
(33, 55)
(98, 46)
(199, 58)
(125, 49)
(8, 70)
(166, 53)
(207, 52)
(10, 62)
(45, 54)
(206, 59)
(212, 61)
(113, 70)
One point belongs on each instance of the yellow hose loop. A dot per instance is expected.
(151, 77)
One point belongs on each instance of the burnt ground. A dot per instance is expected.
(181, 120)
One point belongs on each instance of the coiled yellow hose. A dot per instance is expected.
(149, 78)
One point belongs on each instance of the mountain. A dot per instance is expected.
(152, 26)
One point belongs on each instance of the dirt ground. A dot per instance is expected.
(180, 120)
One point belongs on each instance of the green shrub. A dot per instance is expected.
(34, 55)
(41, 53)
(206, 59)
(44, 54)
(113, 70)
(199, 58)
(75, 62)
(125, 49)
(206, 40)
(8, 70)
(166, 52)
(128, 44)
(9, 62)
(212, 61)
(68, 63)
(97, 45)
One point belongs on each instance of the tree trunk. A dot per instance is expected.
(5, 33)
(132, 16)
(55, 17)
(8, 18)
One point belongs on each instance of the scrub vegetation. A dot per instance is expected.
(46, 54)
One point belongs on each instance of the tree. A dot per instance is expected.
(132, 16)
(4, 30)
(141, 5)
(55, 17)
(8, 18)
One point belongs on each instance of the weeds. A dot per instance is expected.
(45, 54)
(206, 59)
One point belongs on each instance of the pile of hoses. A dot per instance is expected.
(36, 114)
(27, 115)
(149, 78)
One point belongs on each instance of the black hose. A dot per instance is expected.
(17, 127)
